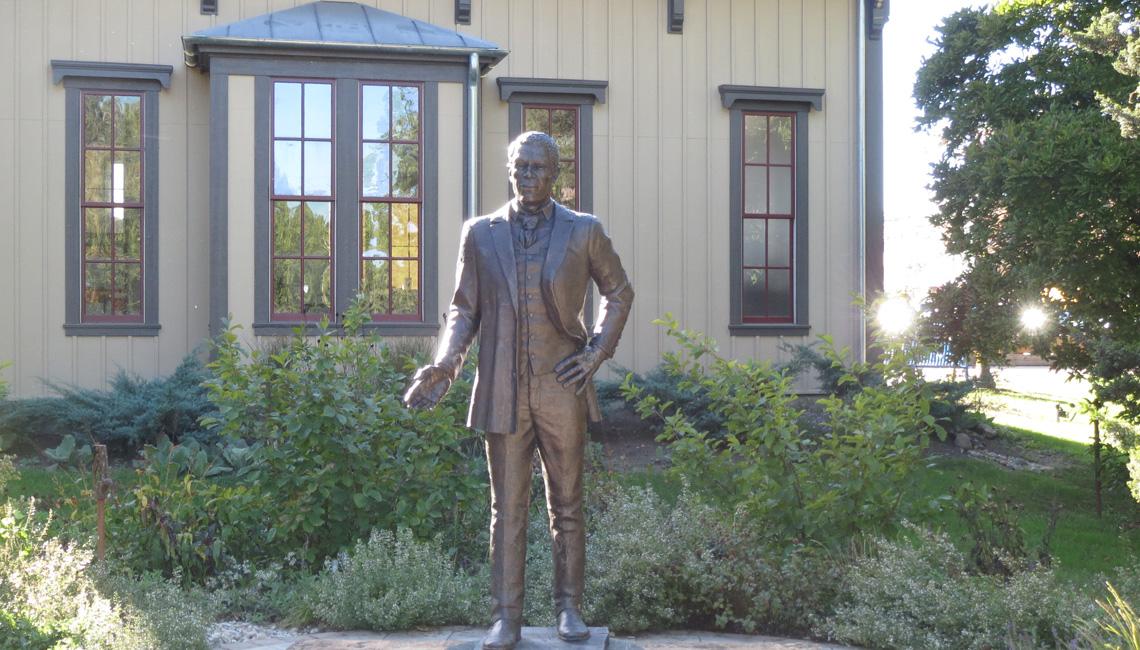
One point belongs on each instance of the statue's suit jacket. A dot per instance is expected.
(486, 304)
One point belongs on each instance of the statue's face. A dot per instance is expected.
(532, 175)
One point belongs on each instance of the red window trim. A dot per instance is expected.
(303, 316)
(84, 204)
(576, 159)
(418, 200)
(769, 216)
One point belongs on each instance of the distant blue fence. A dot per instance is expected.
(941, 358)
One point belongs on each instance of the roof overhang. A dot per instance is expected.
(338, 30)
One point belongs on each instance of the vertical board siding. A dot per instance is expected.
(661, 147)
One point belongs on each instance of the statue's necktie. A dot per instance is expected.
(530, 228)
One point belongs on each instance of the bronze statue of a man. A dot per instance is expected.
(521, 283)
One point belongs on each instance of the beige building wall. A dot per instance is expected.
(661, 159)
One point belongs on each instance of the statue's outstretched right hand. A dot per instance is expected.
(429, 385)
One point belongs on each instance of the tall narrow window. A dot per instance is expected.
(768, 218)
(112, 206)
(302, 201)
(391, 201)
(561, 122)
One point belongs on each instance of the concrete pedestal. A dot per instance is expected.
(545, 638)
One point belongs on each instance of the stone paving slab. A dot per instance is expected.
(467, 638)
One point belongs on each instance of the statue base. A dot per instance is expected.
(545, 638)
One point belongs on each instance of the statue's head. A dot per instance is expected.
(532, 165)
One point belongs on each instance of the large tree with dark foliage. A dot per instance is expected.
(1037, 189)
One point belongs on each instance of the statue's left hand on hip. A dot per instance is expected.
(577, 369)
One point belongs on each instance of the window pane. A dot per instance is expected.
(405, 170)
(375, 170)
(374, 284)
(286, 110)
(405, 230)
(97, 289)
(97, 176)
(780, 294)
(128, 120)
(374, 105)
(97, 120)
(128, 289)
(374, 238)
(318, 220)
(97, 233)
(287, 286)
(318, 111)
(536, 119)
(781, 188)
(565, 187)
(287, 168)
(286, 227)
(781, 128)
(405, 113)
(754, 242)
(128, 233)
(318, 286)
(779, 242)
(405, 287)
(318, 168)
(756, 190)
(563, 126)
(752, 293)
(755, 138)
(126, 177)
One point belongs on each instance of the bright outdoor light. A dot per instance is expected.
(895, 315)
(1033, 318)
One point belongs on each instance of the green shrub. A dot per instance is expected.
(922, 595)
(190, 511)
(394, 582)
(133, 412)
(1117, 626)
(692, 400)
(334, 447)
(50, 596)
(823, 487)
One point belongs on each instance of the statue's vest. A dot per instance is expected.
(542, 345)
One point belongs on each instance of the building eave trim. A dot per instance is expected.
(592, 89)
(731, 95)
(61, 70)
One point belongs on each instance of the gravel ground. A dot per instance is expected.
(231, 632)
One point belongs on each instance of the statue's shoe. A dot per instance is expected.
(571, 627)
(503, 635)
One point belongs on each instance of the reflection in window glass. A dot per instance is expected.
(561, 123)
(768, 219)
(303, 181)
(391, 169)
(112, 207)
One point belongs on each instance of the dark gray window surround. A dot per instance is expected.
(346, 76)
(738, 99)
(148, 80)
(518, 91)
(676, 17)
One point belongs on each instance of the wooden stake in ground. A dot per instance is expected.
(102, 488)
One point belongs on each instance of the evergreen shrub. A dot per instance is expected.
(131, 413)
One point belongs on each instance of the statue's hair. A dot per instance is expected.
(537, 138)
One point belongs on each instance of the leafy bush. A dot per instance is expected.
(659, 383)
(393, 582)
(49, 597)
(336, 450)
(190, 512)
(922, 595)
(846, 479)
(133, 412)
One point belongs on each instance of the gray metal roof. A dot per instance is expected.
(339, 26)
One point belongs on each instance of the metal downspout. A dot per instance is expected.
(471, 207)
(861, 169)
